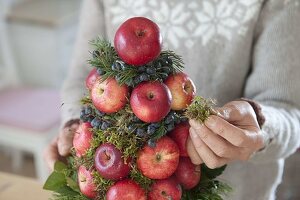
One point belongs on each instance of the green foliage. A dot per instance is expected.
(137, 176)
(102, 184)
(107, 55)
(178, 64)
(160, 132)
(200, 109)
(61, 183)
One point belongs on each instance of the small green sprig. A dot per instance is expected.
(102, 185)
(200, 109)
(177, 61)
(104, 54)
(137, 176)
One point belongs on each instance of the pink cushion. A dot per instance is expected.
(31, 109)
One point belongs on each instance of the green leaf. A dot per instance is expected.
(67, 191)
(72, 184)
(60, 166)
(55, 181)
(212, 173)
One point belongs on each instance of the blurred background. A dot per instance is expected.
(36, 42)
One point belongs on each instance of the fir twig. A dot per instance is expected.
(178, 64)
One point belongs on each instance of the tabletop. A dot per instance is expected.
(13, 187)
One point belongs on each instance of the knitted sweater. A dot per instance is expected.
(231, 49)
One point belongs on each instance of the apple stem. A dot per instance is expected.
(158, 157)
(150, 95)
(107, 156)
(140, 33)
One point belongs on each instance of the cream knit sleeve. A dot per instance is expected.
(274, 81)
(91, 24)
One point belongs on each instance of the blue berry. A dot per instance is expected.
(156, 125)
(82, 113)
(100, 71)
(137, 80)
(84, 118)
(144, 77)
(150, 70)
(88, 110)
(90, 118)
(177, 119)
(169, 119)
(166, 69)
(169, 61)
(184, 119)
(158, 64)
(95, 122)
(116, 66)
(140, 132)
(152, 143)
(164, 75)
(170, 127)
(105, 125)
(151, 129)
(96, 54)
(99, 113)
(141, 69)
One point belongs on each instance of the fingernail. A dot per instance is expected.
(210, 122)
(196, 125)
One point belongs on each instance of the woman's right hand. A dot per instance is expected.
(61, 145)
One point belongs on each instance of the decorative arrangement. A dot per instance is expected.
(131, 143)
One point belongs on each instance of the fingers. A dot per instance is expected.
(65, 141)
(239, 113)
(192, 152)
(229, 132)
(51, 154)
(207, 155)
(216, 143)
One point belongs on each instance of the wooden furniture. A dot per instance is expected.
(14, 187)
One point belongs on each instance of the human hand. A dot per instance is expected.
(232, 134)
(61, 145)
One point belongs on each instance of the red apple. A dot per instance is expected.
(165, 189)
(159, 162)
(86, 184)
(151, 101)
(182, 89)
(91, 79)
(138, 41)
(82, 139)
(180, 135)
(109, 162)
(187, 173)
(126, 190)
(108, 96)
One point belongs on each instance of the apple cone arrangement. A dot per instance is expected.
(131, 143)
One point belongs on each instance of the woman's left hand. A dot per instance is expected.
(233, 134)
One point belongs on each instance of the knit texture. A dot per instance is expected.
(232, 49)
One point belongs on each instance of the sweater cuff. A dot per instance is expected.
(71, 122)
(258, 111)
